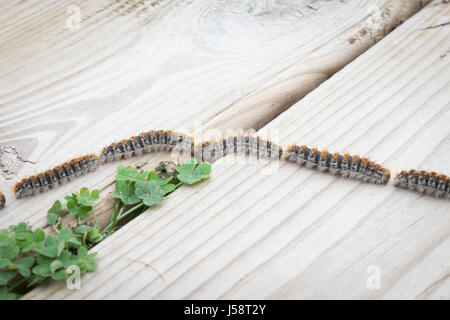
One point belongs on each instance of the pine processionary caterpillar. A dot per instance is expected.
(429, 183)
(211, 151)
(58, 175)
(2, 200)
(346, 165)
(146, 142)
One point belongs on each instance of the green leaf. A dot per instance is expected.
(4, 263)
(51, 241)
(24, 271)
(95, 235)
(95, 195)
(21, 235)
(82, 229)
(73, 243)
(88, 199)
(56, 265)
(6, 276)
(151, 192)
(49, 252)
(60, 248)
(7, 242)
(67, 258)
(42, 269)
(54, 212)
(130, 174)
(190, 173)
(91, 265)
(27, 262)
(74, 209)
(21, 227)
(5, 294)
(125, 192)
(82, 252)
(39, 235)
(59, 276)
(11, 253)
(65, 234)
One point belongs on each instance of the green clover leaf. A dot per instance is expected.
(191, 173)
(6, 276)
(125, 192)
(130, 174)
(88, 199)
(54, 212)
(5, 294)
(151, 192)
(76, 209)
(4, 263)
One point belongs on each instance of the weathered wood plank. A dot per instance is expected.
(297, 233)
(139, 65)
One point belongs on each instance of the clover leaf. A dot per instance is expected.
(54, 212)
(191, 173)
(5, 294)
(85, 260)
(6, 276)
(125, 192)
(152, 192)
(130, 174)
(87, 198)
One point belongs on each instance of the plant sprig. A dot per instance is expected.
(136, 191)
(28, 257)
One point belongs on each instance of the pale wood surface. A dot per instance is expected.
(298, 233)
(140, 65)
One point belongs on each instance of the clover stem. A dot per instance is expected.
(95, 219)
(84, 239)
(113, 220)
(130, 211)
(55, 228)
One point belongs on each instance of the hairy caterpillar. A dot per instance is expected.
(2, 200)
(345, 165)
(58, 175)
(146, 142)
(430, 183)
(211, 151)
(165, 140)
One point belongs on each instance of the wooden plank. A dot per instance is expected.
(297, 233)
(139, 65)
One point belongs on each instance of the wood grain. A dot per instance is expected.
(297, 233)
(137, 65)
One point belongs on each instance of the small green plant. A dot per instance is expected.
(137, 190)
(29, 257)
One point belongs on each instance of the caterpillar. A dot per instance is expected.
(146, 142)
(2, 200)
(166, 140)
(429, 183)
(58, 175)
(346, 165)
(211, 151)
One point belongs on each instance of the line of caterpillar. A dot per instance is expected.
(2, 200)
(429, 183)
(58, 175)
(346, 165)
(146, 142)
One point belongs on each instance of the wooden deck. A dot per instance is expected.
(292, 234)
